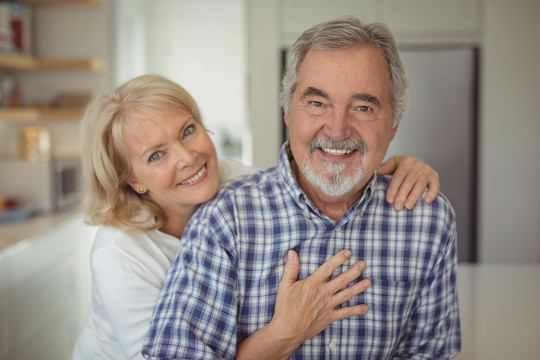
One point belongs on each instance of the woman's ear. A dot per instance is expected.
(137, 187)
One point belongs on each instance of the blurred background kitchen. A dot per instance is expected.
(473, 67)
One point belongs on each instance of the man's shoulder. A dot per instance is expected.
(440, 204)
(244, 188)
(248, 182)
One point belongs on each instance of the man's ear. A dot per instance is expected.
(394, 131)
(286, 119)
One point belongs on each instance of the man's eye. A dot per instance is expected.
(155, 156)
(316, 107)
(363, 108)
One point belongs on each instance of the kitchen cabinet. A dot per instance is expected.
(299, 15)
(44, 292)
(417, 21)
(433, 21)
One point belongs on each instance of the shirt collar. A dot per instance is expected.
(285, 170)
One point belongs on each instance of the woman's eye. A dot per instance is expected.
(189, 130)
(155, 156)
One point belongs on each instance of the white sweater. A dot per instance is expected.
(128, 271)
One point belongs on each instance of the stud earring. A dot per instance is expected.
(141, 190)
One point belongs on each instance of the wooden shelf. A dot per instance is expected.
(64, 2)
(28, 63)
(38, 114)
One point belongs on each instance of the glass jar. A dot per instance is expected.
(36, 143)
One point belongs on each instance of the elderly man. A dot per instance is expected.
(343, 94)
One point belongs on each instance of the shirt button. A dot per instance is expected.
(332, 346)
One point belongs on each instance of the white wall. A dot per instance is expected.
(264, 68)
(509, 213)
(202, 46)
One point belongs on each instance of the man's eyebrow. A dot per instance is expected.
(367, 97)
(312, 91)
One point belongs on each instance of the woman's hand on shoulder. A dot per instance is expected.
(410, 177)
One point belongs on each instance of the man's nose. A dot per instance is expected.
(338, 125)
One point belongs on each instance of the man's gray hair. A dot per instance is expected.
(346, 33)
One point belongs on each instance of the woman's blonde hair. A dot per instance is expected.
(107, 197)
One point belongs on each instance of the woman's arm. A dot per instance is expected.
(410, 178)
(305, 308)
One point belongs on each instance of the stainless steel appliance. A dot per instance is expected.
(440, 127)
(46, 186)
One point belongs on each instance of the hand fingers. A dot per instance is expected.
(329, 266)
(434, 187)
(413, 196)
(387, 167)
(348, 293)
(349, 311)
(407, 186)
(398, 176)
(412, 190)
(290, 271)
(341, 281)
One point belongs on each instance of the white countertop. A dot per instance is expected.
(12, 233)
(499, 303)
(500, 311)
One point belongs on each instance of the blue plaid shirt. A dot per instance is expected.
(222, 285)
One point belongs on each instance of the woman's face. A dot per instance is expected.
(173, 160)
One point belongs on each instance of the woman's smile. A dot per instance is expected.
(197, 178)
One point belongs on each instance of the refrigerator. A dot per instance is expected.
(440, 127)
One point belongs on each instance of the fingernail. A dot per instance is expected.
(290, 255)
(367, 284)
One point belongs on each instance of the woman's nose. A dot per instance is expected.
(184, 156)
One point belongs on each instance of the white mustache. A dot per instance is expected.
(346, 144)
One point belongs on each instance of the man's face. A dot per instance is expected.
(340, 121)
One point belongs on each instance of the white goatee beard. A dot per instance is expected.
(334, 183)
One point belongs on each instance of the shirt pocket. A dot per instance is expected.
(391, 305)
